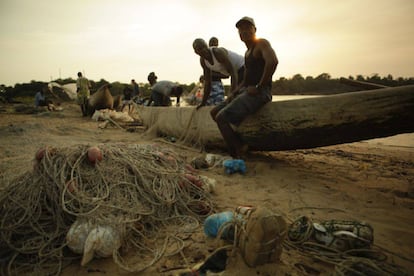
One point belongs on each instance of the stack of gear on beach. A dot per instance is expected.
(347, 244)
(119, 200)
(256, 232)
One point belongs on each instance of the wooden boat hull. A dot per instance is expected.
(297, 124)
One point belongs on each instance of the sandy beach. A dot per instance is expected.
(370, 181)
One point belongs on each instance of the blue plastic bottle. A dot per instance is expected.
(213, 223)
(234, 165)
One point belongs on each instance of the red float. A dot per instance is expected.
(94, 155)
(40, 154)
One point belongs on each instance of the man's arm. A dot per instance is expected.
(151, 99)
(218, 75)
(238, 88)
(271, 61)
(223, 57)
(264, 49)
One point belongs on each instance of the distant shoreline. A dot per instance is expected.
(405, 140)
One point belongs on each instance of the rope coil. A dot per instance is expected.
(140, 190)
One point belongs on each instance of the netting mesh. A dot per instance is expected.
(188, 125)
(140, 190)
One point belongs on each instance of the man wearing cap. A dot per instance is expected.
(163, 90)
(253, 93)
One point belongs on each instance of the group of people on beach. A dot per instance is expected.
(251, 80)
(250, 76)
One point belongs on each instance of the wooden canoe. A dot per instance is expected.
(296, 124)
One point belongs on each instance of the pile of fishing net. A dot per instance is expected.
(120, 200)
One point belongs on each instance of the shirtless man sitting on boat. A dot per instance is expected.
(254, 91)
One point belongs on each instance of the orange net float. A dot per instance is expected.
(42, 152)
(72, 186)
(195, 180)
(94, 155)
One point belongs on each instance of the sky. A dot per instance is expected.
(126, 39)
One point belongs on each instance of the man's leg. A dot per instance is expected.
(215, 110)
(235, 145)
(234, 112)
(217, 93)
(82, 109)
(85, 107)
(158, 99)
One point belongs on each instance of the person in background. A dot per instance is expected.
(254, 91)
(220, 60)
(196, 94)
(40, 99)
(162, 91)
(213, 42)
(83, 93)
(200, 89)
(127, 100)
(152, 78)
(217, 88)
(135, 90)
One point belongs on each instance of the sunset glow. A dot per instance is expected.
(121, 40)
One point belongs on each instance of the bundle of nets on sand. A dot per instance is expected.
(144, 192)
(186, 124)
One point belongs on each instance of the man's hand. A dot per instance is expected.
(252, 90)
(229, 98)
(232, 95)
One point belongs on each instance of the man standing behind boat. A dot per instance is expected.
(254, 91)
(83, 92)
(218, 60)
(217, 88)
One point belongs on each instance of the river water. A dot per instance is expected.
(279, 98)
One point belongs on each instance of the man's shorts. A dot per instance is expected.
(217, 93)
(243, 105)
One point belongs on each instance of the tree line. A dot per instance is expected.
(324, 84)
(297, 85)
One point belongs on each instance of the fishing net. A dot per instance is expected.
(186, 124)
(144, 192)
